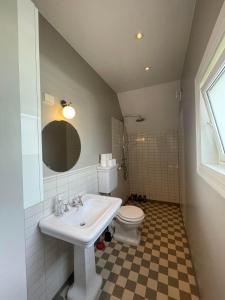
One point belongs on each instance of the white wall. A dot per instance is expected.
(204, 209)
(12, 242)
(158, 104)
(30, 106)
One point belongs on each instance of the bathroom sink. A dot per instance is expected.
(82, 225)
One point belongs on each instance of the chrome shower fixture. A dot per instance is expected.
(139, 118)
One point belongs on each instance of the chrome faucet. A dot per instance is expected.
(59, 206)
(66, 206)
(80, 202)
(77, 201)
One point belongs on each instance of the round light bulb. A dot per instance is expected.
(139, 35)
(69, 112)
(147, 68)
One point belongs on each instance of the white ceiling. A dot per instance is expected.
(103, 33)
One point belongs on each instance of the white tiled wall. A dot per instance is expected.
(181, 164)
(153, 165)
(50, 261)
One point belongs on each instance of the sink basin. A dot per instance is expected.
(82, 226)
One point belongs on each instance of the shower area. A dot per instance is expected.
(148, 162)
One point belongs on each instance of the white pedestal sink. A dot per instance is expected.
(82, 226)
(86, 282)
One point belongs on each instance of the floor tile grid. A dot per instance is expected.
(159, 268)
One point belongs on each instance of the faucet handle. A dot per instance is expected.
(80, 196)
(66, 206)
(73, 201)
(77, 200)
(59, 206)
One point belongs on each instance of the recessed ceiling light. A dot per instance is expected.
(147, 68)
(139, 36)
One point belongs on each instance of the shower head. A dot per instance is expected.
(140, 119)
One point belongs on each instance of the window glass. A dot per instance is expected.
(216, 96)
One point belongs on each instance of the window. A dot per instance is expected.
(214, 96)
(210, 110)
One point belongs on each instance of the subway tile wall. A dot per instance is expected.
(181, 165)
(49, 261)
(153, 165)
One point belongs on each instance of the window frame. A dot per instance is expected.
(213, 174)
(209, 82)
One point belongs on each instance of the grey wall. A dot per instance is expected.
(65, 75)
(158, 104)
(12, 242)
(204, 209)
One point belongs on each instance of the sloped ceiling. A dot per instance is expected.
(103, 33)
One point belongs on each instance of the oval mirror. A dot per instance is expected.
(61, 146)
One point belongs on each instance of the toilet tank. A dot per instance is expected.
(107, 179)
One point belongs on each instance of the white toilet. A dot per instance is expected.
(128, 217)
(127, 221)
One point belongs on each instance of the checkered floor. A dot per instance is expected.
(159, 268)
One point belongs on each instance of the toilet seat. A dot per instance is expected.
(130, 214)
(129, 222)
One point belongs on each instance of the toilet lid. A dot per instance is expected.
(130, 213)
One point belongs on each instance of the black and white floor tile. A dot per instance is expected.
(160, 268)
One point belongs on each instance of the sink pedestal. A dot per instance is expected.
(96, 214)
(86, 282)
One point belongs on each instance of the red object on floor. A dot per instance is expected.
(100, 245)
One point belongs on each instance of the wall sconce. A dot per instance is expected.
(68, 111)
